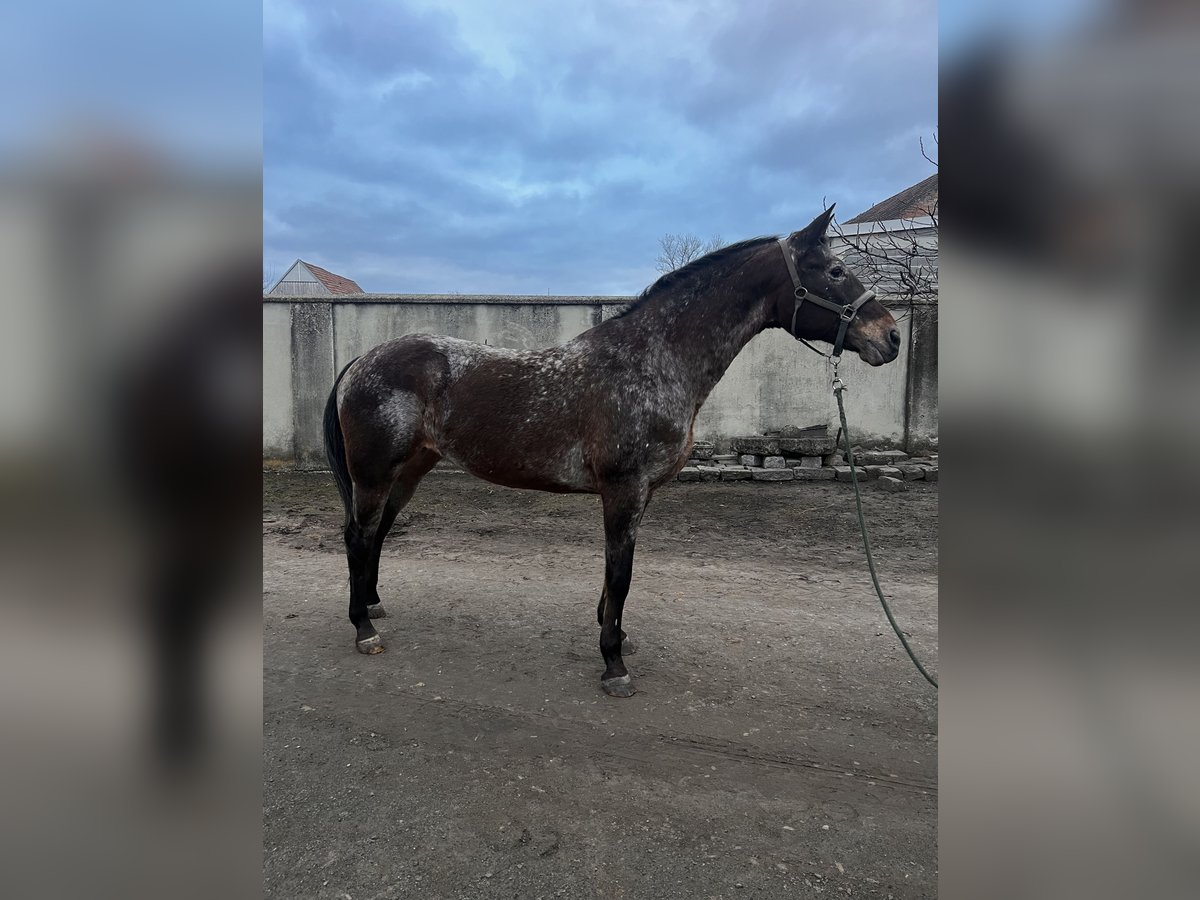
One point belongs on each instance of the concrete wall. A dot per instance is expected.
(774, 381)
(898, 259)
(922, 401)
(522, 326)
(278, 409)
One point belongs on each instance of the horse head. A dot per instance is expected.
(825, 301)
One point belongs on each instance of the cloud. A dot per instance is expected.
(467, 146)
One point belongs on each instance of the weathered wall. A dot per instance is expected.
(312, 377)
(278, 409)
(773, 382)
(522, 326)
(776, 382)
(922, 399)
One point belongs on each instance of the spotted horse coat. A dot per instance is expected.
(610, 412)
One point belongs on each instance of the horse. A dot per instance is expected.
(610, 412)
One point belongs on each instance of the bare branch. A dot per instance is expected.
(676, 250)
(899, 263)
(933, 162)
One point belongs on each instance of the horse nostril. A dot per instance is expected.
(894, 337)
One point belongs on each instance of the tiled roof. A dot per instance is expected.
(335, 284)
(914, 202)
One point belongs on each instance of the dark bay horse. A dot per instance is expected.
(609, 413)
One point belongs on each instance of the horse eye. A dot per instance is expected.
(837, 272)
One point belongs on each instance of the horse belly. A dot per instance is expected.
(517, 444)
(509, 460)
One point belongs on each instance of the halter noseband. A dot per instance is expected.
(846, 312)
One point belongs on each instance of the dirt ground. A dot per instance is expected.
(780, 745)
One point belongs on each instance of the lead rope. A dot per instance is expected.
(838, 388)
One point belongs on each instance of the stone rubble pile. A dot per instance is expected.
(804, 455)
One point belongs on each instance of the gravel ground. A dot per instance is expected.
(780, 745)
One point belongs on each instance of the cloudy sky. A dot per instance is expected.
(534, 147)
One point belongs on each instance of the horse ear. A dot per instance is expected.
(814, 232)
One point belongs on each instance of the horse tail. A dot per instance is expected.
(335, 445)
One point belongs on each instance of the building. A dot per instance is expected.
(893, 246)
(893, 249)
(917, 202)
(303, 279)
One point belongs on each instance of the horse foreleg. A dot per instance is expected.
(623, 507)
(628, 647)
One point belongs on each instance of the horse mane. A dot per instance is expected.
(695, 270)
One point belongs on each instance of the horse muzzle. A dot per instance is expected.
(877, 344)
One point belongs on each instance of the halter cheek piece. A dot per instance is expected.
(846, 313)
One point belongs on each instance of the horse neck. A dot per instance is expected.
(703, 332)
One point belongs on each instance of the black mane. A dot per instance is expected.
(695, 270)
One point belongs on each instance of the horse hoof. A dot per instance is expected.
(370, 646)
(377, 611)
(618, 687)
(628, 647)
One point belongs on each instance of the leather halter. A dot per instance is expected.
(846, 312)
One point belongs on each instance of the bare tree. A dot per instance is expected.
(270, 276)
(676, 250)
(899, 262)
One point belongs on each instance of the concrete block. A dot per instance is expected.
(810, 462)
(689, 473)
(703, 449)
(841, 473)
(773, 446)
(791, 462)
(735, 473)
(807, 446)
(774, 462)
(883, 457)
(725, 459)
(773, 474)
(709, 473)
(805, 473)
(894, 485)
(794, 431)
(756, 445)
(910, 472)
(750, 459)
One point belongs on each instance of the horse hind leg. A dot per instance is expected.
(391, 509)
(362, 557)
(411, 472)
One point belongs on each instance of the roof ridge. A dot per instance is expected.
(334, 283)
(914, 201)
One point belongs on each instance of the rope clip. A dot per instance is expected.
(835, 380)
